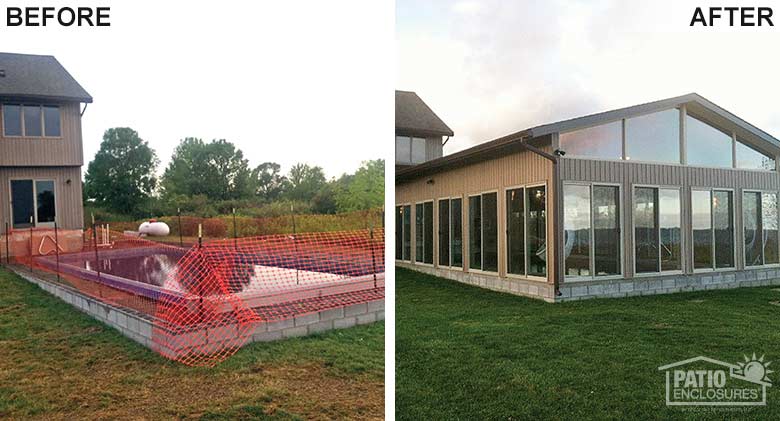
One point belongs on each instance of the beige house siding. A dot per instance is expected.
(629, 174)
(68, 199)
(512, 170)
(66, 150)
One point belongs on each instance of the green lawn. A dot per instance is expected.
(468, 353)
(58, 363)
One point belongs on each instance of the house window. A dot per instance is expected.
(424, 232)
(483, 232)
(760, 224)
(657, 238)
(712, 214)
(654, 137)
(592, 230)
(456, 230)
(31, 120)
(515, 231)
(444, 232)
(409, 150)
(706, 145)
(536, 230)
(403, 232)
(749, 158)
(605, 141)
(32, 203)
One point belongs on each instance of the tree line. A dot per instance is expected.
(210, 178)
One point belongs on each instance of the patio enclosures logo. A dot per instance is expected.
(732, 16)
(64, 16)
(703, 381)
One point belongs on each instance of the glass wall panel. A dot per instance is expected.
(654, 137)
(671, 231)
(751, 222)
(606, 230)
(428, 232)
(457, 233)
(723, 223)
(515, 232)
(403, 151)
(706, 145)
(22, 203)
(646, 230)
(475, 232)
(399, 232)
(418, 232)
(536, 231)
(605, 141)
(408, 233)
(44, 199)
(51, 119)
(12, 120)
(576, 225)
(702, 229)
(490, 232)
(769, 223)
(749, 158)
(444, 232)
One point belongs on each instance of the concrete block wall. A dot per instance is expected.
(140, 327)
(614, 288)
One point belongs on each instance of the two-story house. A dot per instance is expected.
(419, 132)
(41, 151)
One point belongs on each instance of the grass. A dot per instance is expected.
(58, 363)
(468, 353)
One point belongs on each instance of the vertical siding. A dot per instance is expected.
(520, 168)
(68, 199)
(64, 151)
(629, 174)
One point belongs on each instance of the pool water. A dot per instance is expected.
(151, 269)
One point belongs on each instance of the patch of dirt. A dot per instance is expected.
(660, 326)
(12, 308)
(775, 303)
(697, 301)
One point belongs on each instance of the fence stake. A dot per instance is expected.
(200, 235)
(57, 248)
(235, 231)
(295, 244)
(31, 243)
(373, 256)
(95, 242)
(7, 244)
(178, 214)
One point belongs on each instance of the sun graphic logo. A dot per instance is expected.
(754, 369)
(704, 381)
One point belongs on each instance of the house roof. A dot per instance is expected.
(38, 77)
(695, 104)
(413, 116)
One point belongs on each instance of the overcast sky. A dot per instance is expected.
(490, 67)
(286, 81)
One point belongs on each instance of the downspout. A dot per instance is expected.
(556, 208)
(445, 141)
(86, 104)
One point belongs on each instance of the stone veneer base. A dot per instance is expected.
(138, 326)
(614, 288)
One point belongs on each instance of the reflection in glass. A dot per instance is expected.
(669, 222)
(428, 232)
(654, 137)
(399, 232)
(749, 158)
(12, 120)
(515, 232)
(576, 225)
(418, 232)
(707, 146)
(646, 229)
(769, 223)
(51, 120)
(44, 190)
(457, 232)
(702, 229)
(751, 222)
(606, 230)
(403, 151)
(408, 233)
(32, 120)
(475, 232)
(605, 141)
(537, 231)
(418, 150)
(444, 232)
(723, 222)
(490, 232)
(22, 203)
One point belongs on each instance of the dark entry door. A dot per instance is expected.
(22, 203)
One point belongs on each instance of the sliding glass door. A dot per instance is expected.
(32, 203)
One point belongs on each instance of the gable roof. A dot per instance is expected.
(412, 115)
(696, 105)
(38, 77)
